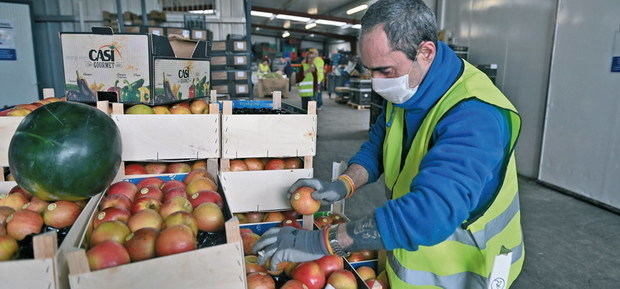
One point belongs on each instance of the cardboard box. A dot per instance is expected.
(219, 46)
(268, 85)
(159, 31)
(180, 32)
(220, 76)
(200, 34)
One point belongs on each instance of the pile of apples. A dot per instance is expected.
(163, 168)
(331, 219)
(259, 217)
(153, 218)
(25, 109)
(198, 106)
(23, 215)
(255, 164)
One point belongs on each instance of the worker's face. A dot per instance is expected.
(384, 62)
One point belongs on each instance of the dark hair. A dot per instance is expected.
(407, 23)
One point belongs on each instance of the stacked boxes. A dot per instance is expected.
(230, 66)
(360, 91)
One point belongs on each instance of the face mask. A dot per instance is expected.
(395, 90)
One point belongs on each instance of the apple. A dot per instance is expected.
(198, 106)
(310, 274)
(369, 254)
(279, 269)
(254, 164)
(29, 107)
(182, 104)
(15, 201)
(61, 214)
(140, 244)
(290, 214)
(238, 166)
(155, 168)
(172, 184)
(254, 217)
(2, 230)
(111, 214)
(180, 110)
(124, 188)
(383, 278)
(36, 205)
(201, 164)
(111, 230)
(251, 265)
(376, 284)
(178, 192)
(342, 279)
(288, 271)
(241, 217)
(175, 239)
(182, 218)
(209, 217)
(273, 217)
(174, 205)
(115, 201)
(23, 223)
(5, 212)
(150, 182)
(147, 218)
(330, 263)
(355, 257)
(366, 273)
(160, 109)
(294, 284)
(275, 164)
(197, 174)
(303, 202)
(18, 112)
(150, 192)
(200, 185)
(202, 197)
(248, 240)
(337, 219)
(292, 163)
(145, 203)
(290, 223)
(135, 169)
(8, 248)
(107, 254)
(178, 168)
(260, 280)
(323, 221)
(19, 190)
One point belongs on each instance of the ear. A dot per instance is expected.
(427, 51)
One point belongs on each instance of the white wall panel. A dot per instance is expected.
(581, 148)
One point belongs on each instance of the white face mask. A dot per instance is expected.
(395, 90)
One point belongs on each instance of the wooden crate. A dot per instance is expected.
(220, 267)
(8, 125)
(49, 268)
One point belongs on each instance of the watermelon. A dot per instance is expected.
(65, 151)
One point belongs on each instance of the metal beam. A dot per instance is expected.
(119, 16)
(143, 8)
(327, 34)
(303, 14)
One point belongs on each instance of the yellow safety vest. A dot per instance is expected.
(306, 86)
(465, 259)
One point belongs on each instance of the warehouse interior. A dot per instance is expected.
(557, 62)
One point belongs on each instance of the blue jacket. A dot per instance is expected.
(460, 173)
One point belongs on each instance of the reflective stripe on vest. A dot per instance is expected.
(467, 280)
(306, 86)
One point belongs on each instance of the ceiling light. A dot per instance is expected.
(292, 17)
(357, 9)
(285, 34)
(330, 22)
(287, 24)
(208, 11)
(261, 14)
(357, 26)
(312, 35)
(310, 25)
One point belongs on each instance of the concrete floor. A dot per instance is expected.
(569, 243)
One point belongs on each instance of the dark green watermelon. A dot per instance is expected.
(65, 151)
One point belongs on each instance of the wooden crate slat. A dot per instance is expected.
(8, 125)
(33, 273)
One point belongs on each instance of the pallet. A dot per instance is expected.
(358, 106)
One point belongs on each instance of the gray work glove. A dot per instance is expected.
(283, 244)
(325, 192)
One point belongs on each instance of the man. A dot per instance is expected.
(319, 64)
(445, 144)
(309, 77)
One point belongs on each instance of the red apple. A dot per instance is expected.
(61, 214)
(248, 240)
(23, 223)
(200, 185)
(115, 201)
(369, 254)
(273, 217)
(202, 197)
(178, 168)
(8, 248)
(201, 164)
(126, 189)
(260, 280)
(290, 223)
(15, 201)
(376, 284)
(135, 169)
(145, 219)
(251, 265)
(107, 254)
(150, 182)
(198, 106)
(175, 239)
(238, 166)
(294, 284)
(182, 218)
(36, 205)
(111, 230)
(19, 190)
(310, 274)
(29, 107)
(5, 212)
(178, 192)
(279, 269)
(172, 184)
(111, 214)
(323, 221)
(290, 214)
(254, 217)
(254, 164)
(150, 192)
(197, 174)
(141, 244)
(145, 203)
(155, 168)
(342, 279)
(275, 164)
(366, 273)
(209, 217)
(241, 217)
(303, 202)
(174, 205)
(331, 263)
(292, 163)
(355, 257)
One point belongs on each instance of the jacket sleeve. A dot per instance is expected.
(469, 149)
(370, 155)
